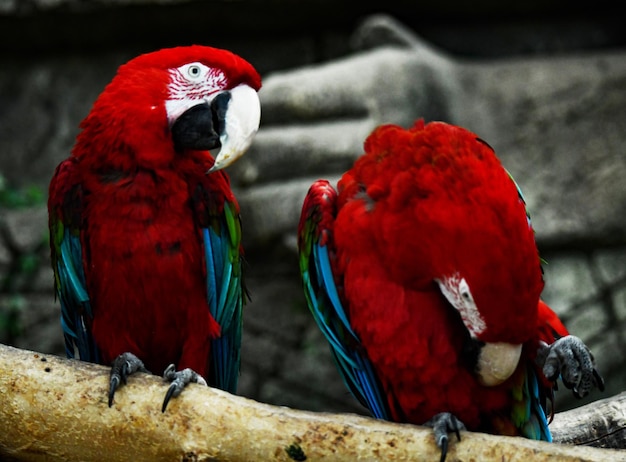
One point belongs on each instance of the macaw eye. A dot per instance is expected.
(194, 71)
(458, 293)
(464, 291)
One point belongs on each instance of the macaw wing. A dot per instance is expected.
(529, 406)
(530, 401)
(64, 208)
(222, 252)
(323, 300)
(521, 196)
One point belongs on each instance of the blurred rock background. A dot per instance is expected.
(543, 82)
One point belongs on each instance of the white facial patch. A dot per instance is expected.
(457, 292)
(192, 84)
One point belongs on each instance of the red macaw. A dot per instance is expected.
(145, 231)
(423, 274)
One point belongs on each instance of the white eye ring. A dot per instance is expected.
(194, 71)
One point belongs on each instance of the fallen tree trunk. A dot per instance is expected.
(55, 409)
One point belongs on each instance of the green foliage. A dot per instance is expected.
(29, 263)
(23, 265)
(22, 268)
(10, 327)
(14, 198)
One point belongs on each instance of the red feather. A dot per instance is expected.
(419, 205)
(139, 206)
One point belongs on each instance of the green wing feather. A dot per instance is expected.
(222, 241)
(323, 300)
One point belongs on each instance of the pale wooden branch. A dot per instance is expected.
(55, 409)
(601, 424)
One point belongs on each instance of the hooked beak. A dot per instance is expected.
(493, 362)
(496, 362)
(229, 122)
(240, 123)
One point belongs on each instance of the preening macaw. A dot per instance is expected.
(423, 274)
(145, 231)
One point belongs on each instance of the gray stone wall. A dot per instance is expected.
(549, 96)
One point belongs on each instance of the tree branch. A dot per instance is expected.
(601, 424)
(55, 409)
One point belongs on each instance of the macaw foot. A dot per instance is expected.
(179, 379)
(441, 424)
(124, 365)
(570, 358)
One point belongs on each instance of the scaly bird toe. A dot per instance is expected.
(570, 358)
(123, 366)
(441, 424)
(179, 379)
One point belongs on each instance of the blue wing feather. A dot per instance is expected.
(325, 303)
(536, 426)
(321, 257)
(225, 297)
(211, 278)
(75, 305)
(65, 207)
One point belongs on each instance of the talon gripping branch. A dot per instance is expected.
(145, 231)
(423, 274)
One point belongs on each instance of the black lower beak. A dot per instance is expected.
(200, 127)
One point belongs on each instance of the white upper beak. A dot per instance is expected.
(241, 124)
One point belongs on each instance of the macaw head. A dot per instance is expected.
(186, 98)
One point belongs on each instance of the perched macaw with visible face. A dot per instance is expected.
(145, 230)
(424, 276)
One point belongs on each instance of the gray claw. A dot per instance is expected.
(123, 366)
(441, 424)
(570, 358)
(179, 379)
